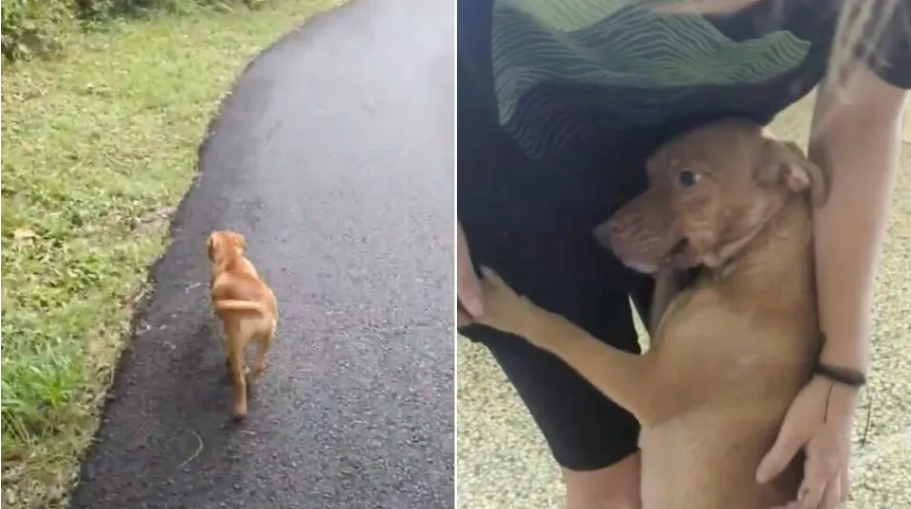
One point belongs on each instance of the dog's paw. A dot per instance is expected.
(504, 309)
(239, 412)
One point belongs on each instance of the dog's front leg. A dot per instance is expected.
(623, 377)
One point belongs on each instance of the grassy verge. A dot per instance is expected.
(100, 146)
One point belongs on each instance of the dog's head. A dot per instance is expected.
(710, 191)
(225, 244)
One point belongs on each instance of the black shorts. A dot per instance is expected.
(530, 219)
(569, 274)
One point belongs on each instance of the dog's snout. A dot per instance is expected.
(616, 227)
(605, 233)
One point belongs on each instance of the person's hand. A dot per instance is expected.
(468, 288)
(819, 422)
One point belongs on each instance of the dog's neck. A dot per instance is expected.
(779, 255)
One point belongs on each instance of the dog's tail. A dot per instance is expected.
(239, 305)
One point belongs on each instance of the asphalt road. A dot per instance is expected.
(333, 155)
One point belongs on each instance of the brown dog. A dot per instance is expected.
(731, 352)
(247, 308)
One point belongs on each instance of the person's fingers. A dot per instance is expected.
(831, 498)
(844, 482)
(787, 444)
(803, 503)
(468, 287)
(819, 478)
(462, 319)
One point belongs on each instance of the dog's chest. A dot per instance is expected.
(707, 344)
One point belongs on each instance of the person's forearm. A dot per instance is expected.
(861, 154)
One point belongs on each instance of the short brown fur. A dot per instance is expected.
(247, 309)
(730, 352)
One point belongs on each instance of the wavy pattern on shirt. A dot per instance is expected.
(611, 44)
(567, 15)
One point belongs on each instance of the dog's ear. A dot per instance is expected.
(784, 163)
(211, 244)
(239, 240)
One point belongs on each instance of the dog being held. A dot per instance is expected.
(247, 309)
(733, 349)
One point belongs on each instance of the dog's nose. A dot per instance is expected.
(603, 233)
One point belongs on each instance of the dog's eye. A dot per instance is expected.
(687, 178)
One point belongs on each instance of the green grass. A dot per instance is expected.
(100, 146)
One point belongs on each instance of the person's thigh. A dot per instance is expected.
(615, 487)
(574, 277)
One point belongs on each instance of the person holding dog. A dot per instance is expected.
(560, 102)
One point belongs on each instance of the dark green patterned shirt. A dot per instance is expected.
(559, 101)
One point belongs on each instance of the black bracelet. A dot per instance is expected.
(844, 376)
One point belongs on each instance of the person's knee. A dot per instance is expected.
(614, 487)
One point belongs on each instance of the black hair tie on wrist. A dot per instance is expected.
(843, 376)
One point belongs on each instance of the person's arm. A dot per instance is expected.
(856, 137)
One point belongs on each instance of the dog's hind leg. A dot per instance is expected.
(237, 363)
(623, 377)
(263, 341)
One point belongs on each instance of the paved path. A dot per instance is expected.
(334, 156)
